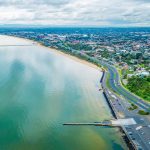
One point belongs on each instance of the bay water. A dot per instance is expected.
(40, 90)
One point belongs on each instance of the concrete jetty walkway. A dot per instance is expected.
(111, 123)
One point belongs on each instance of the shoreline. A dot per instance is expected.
(79, 60)
(57, 51)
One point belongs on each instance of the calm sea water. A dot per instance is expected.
(39, 91)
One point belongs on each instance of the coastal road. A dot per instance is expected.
(114, 82)
(137, 134)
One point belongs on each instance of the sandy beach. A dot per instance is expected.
(73, 57)
(61, 53)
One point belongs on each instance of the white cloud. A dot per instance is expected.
(76, 12)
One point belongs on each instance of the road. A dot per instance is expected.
(138, 134)
(114, 82)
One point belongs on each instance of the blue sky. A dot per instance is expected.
(76, 12)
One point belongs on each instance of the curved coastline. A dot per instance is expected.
(64, 54)
(56, 51)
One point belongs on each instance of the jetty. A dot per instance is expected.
(109, 123)
(16, 45)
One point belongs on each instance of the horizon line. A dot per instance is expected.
(66, 26)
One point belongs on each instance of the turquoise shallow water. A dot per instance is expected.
(39, 91)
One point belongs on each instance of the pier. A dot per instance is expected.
(110, 123)
(14, 45)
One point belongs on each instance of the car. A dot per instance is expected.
(130, 133)
(132, 138)
(139, 148)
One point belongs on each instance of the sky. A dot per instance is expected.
(75, 12)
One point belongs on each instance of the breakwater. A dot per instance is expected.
(110, 105)
(106, 96)
(125, 136)
(103, 74)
